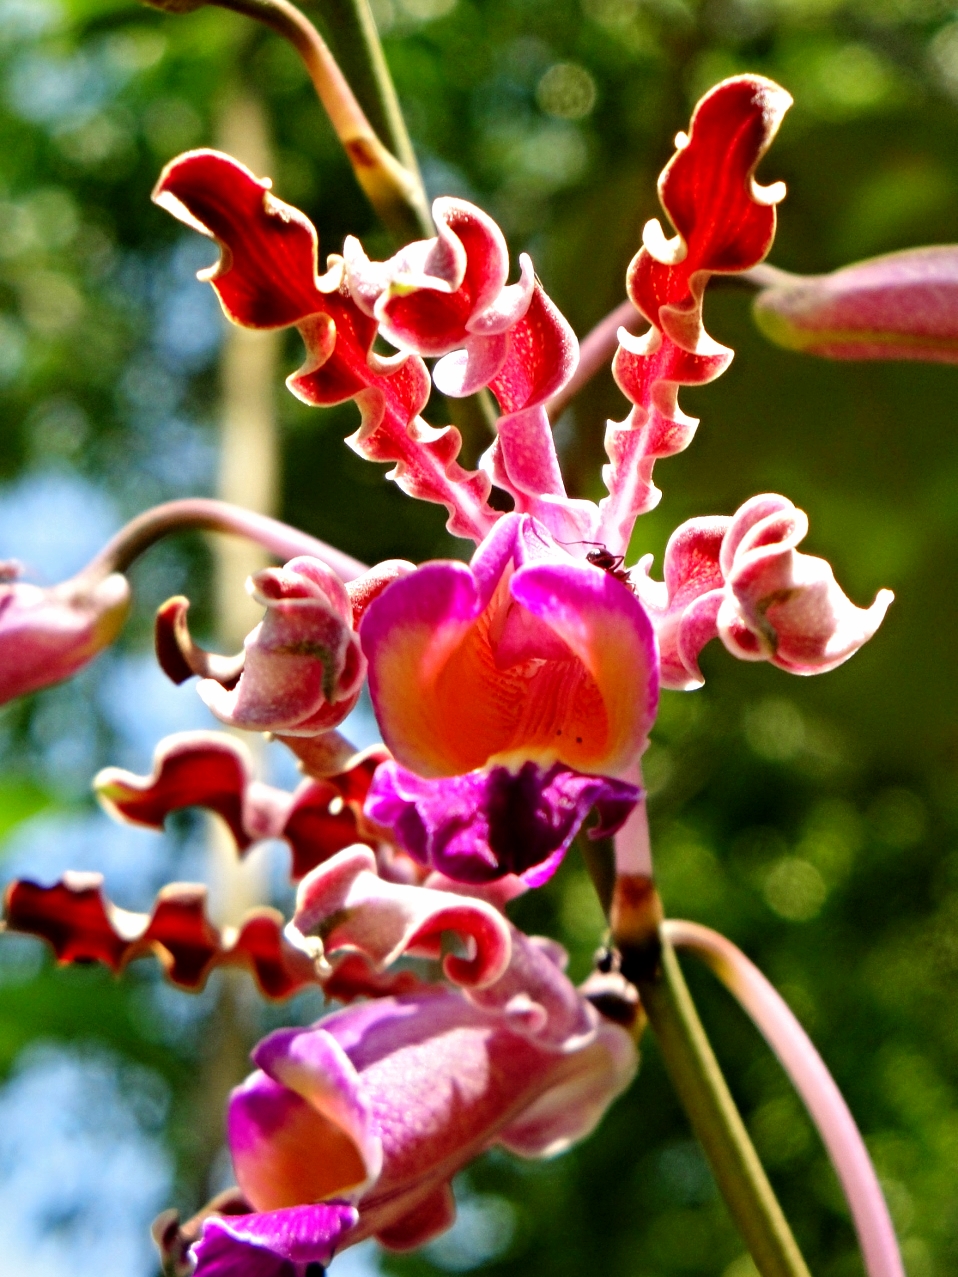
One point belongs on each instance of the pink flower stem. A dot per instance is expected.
(633, 846)
(215, 516)
(814, 1083)
(765, 275)
(595, 353)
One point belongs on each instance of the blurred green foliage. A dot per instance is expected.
(815, 821)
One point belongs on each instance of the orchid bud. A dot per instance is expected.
(49, 634)
(783, 606)
(899, 306)
(303, 667)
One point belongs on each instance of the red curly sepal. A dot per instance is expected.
(267, 278)
(725, 221)
(81, 925)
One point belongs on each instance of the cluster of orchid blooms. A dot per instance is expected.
(515, 694)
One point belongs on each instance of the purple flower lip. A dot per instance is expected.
(489, 823)
(296, 1242)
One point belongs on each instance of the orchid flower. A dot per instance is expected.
(355, 1127)
(517, 693)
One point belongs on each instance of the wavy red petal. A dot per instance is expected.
(211, 773)
(708, 191)
(655, 428)
(266, 277)
(392, 430)
(81, 925)
(542, 356)
(314, 832)
(71, 916)
(724, 222)
(353, 977)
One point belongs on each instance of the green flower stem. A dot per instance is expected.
(698, 1080)
(395, 192)
(351, 30)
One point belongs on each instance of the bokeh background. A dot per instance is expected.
(814, 821)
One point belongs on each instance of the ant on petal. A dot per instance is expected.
(603, 558)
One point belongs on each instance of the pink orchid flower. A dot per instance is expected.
(518, 692)
(355, 1127)
(527, 680)
(49, 634)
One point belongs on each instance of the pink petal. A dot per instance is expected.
(685, 606)
(427, 1219)
(573, 1107)
(649, 370)
(509, 306)
(607, 629)
(463, 372)
(353, 908)
(783, 606)
(304, 667)
(313, 1065)
(543, 353)
(448, 647)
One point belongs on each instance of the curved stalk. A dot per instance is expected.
(352, 28)
(395, 192)
(648, 960)
(215, 516)
(595, 353)
(812, 1081)
(697, 1078)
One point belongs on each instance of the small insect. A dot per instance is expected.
(602, 558)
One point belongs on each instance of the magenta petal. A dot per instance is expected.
(489, 823)
(278, 1243)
